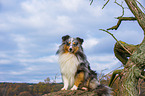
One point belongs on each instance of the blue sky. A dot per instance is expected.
(31, 31)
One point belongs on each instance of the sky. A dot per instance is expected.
(31, 31)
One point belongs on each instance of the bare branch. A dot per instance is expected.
(114, 77)
(110, 72)
(116, 40)
(105, 4)
(91, 2)
(121, 7)
(101, 74)
(120, 20)
(137, 12)
(143, 8)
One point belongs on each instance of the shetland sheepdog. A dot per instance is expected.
(75, 69)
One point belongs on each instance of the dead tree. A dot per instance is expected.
(131, 56)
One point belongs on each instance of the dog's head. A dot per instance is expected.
(72, 45)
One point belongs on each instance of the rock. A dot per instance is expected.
(71, 93)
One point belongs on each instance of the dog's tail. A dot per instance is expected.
(103, 90)
(100, 89)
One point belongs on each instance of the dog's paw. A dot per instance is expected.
(84, 88)
(63, 88)
(74, 87)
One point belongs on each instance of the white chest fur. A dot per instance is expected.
(68, 66)
(68, 63)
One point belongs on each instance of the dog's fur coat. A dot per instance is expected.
(75, 69)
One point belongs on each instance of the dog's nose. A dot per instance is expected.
(70, 49)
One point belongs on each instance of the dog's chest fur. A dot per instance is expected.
(68, 64)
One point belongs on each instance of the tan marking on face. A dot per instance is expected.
(75, 49)
(69, 42)
(66, 48)
(74, 43)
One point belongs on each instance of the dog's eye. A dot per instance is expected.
(67, 43)
(75, 43)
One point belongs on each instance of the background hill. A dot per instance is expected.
(47, 89)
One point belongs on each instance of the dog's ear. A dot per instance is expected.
(80, 40)
(64, 38)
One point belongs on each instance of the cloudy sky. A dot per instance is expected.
(31, 31)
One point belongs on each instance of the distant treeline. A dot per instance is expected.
(28, 89)
(41, 88)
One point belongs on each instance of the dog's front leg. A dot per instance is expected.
(78, 80)
(65, 82)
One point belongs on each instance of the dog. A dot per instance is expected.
(75, 69)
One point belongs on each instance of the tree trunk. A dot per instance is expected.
(132, 72)
(136, 63)
(139, 15)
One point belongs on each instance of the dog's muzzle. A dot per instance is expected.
(70, 50)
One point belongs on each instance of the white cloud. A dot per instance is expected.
(90, 43)
(36, 26)
(47, 59)
(5, 61)
(4, 55)
(34, 81)
(71, 5)
(31, 6)
(63, 23)
(18, 73)
(102, 58)
(19, 39)
(50, 59)
(104, 61)
(22, 43)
